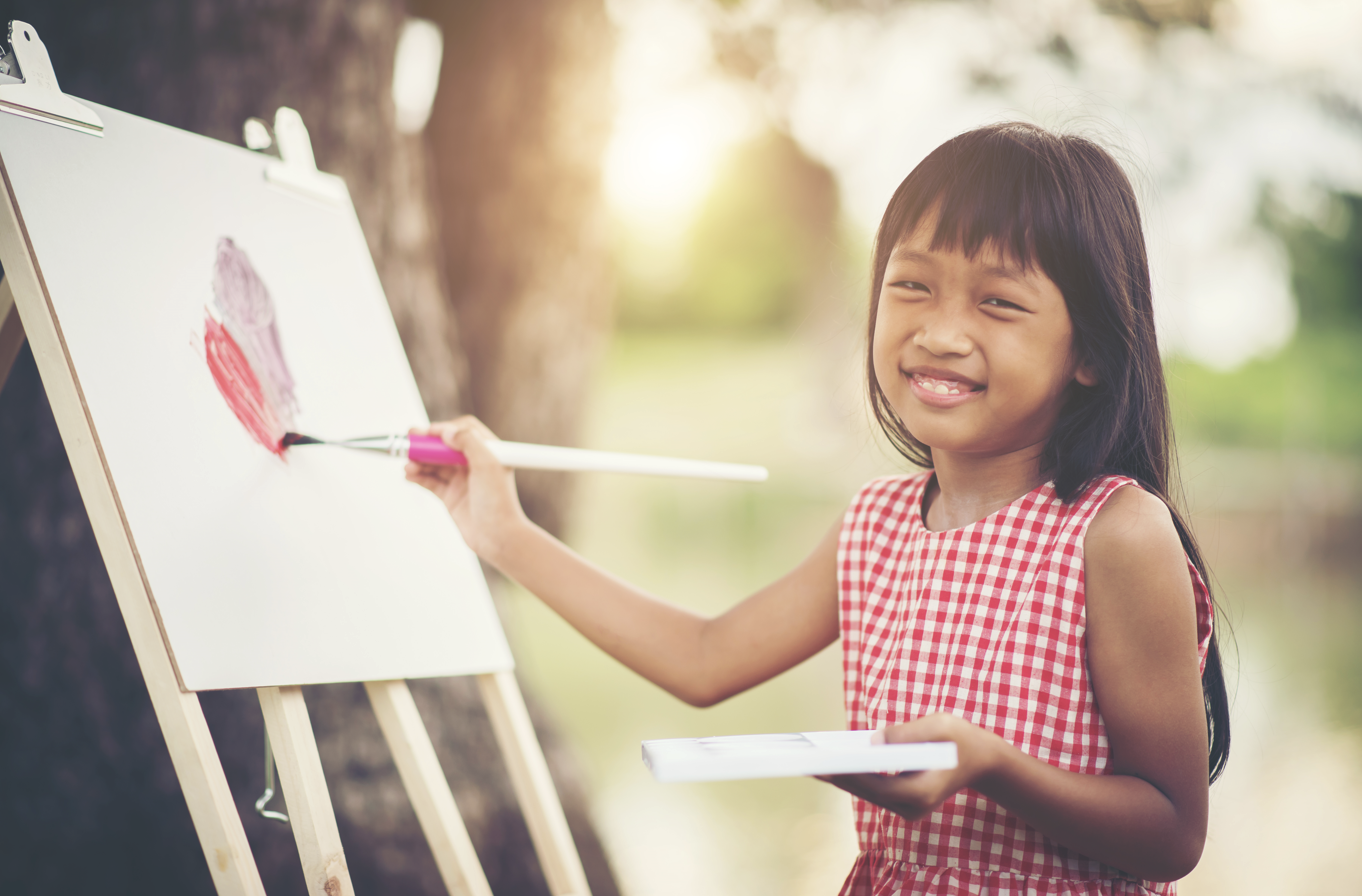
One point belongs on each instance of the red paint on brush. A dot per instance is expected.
(239, 386)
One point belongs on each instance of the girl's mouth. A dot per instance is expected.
(943, 391)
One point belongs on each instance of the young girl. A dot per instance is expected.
(1032, 596)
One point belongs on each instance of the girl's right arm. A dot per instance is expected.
(698, 659)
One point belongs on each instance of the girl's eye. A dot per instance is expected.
(913, 285)
(996, 302)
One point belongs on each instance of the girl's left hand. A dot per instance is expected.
(915, 794)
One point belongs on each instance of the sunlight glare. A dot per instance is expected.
(676, 117)
(663, 157)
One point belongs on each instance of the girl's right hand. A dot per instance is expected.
(481, 497)
(700, 660)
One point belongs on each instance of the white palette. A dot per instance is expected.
(788, 755)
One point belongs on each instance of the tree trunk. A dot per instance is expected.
(519, 129)
(84, 773)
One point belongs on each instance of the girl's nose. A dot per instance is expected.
(943, 336)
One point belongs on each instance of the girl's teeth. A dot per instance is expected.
(939, 387)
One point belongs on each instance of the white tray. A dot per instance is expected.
(788, 755)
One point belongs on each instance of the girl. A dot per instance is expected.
(1032, 596)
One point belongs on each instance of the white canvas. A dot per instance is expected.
(321, 566)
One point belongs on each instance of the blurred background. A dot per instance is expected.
(645, 225)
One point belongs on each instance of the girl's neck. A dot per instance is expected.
(969, 487)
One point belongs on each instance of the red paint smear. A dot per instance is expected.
(238, 384)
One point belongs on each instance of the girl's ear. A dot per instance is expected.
(1085, 375)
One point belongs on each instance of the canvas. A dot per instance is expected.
(205, 309)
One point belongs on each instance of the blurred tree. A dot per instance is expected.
(1305, 396)
(518, 133)
(762, 252)
(1157, 14)
(83, 769)
(1154, 14)
(1326, 265)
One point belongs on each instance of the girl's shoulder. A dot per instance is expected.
(1101, 488)
(1128, 518)
(1134, 540)
(1096, 499)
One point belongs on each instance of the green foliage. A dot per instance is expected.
(762, 243)
(1306, 395)
(1326, 268)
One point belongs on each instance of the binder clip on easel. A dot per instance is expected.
(296, 169)
(28, 85)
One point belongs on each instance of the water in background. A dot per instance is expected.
(1280, 532)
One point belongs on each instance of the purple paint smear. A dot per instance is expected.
(247, 313)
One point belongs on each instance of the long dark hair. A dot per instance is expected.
(1063, 204)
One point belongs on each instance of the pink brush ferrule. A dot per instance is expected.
(433, 450)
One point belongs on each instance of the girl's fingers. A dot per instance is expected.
(480, 496)
(421, 474)
(911, 796)
(869, 788)
(471, 437)
(427, 481)
(473, 444)
(938, 726)
(914, 794)
(438, 472)
(449, 430)
(906, 733)
(443, 481)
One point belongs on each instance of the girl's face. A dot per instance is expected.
(973, 354)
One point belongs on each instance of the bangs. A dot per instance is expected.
(996, 189)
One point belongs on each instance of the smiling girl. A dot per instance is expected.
(1032, 596)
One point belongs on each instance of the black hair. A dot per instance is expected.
(1062, 203)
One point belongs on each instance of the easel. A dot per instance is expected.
(26, 311)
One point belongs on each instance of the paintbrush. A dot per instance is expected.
(525, 456)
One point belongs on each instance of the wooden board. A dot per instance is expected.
(263, 571)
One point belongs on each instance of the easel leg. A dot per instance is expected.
(201, 777)
(11, 331)
(533, 786)
(179, 713)
(427, 787)
(309, 803)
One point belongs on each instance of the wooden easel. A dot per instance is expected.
(26, 311)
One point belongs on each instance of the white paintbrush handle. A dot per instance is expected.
(525, 456)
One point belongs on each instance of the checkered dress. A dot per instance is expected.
(987, 622)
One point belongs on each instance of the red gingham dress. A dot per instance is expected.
(987, 622)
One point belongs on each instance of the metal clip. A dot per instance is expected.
(268, 795)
